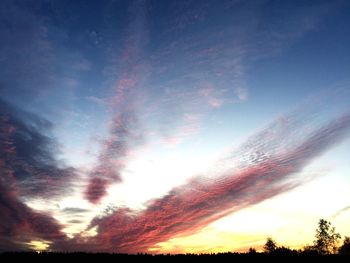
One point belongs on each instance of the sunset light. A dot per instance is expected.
(151, 126)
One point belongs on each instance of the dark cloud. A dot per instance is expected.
(28, 152)
(20, 224)
(74, 210)
(124, 135)
(28, 168)
(75, 221)
(97, 188)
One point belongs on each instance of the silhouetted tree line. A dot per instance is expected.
(326, 243)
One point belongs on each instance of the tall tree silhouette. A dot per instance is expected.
(326, 238)
(345, 248)
(252, 251)
(270, 245)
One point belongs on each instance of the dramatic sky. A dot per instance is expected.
(172, 126)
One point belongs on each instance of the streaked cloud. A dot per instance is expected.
(339, 212)
(124, 132)
(28, 155)
(266, 171)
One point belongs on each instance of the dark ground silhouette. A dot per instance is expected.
(104, 257)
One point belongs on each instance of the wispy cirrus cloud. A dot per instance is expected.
(42, 66)
(124, 135)
(190, 126)
(206, 68)
(339, 212)
(124, 131)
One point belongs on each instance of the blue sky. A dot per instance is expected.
(126, 103)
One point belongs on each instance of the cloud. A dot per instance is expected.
(266, 171)
(260, 169)
(19, 224)
(75, 221)
(27, 155)
(339, 212)
(202, 54)
(74, 210)
(241, 93)
(190, 127)
(212, 96)
(124, 135)
(125, 132)
(28, 169)
(97, 188)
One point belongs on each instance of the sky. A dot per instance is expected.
(172, 126)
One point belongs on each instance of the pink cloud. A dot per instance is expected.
(124, 130)
(190, 207)
(215, 103)
(96, 189)
(241, 93)
(212, 96)
(113, 156)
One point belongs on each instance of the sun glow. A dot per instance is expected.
(39, 245)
